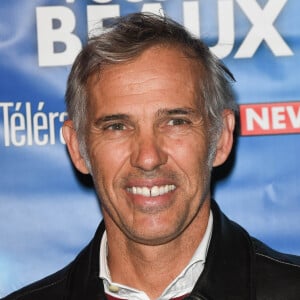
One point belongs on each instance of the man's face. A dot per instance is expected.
(148, 145)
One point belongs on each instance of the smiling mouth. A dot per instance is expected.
(152, 192)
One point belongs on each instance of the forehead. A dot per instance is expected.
(159, 72)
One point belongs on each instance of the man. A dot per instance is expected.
(151, 113)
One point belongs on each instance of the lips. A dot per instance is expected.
(151, 192)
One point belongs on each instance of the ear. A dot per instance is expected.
(225, 142)
(72, 143)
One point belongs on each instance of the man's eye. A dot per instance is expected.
(116, 126)
(176, 122)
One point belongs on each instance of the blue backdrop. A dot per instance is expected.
(48, 213)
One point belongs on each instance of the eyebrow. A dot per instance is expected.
(176, 111)
(159, 113)
(114, 117)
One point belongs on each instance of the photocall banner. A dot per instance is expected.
(48, 212)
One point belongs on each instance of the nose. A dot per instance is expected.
(148, 153)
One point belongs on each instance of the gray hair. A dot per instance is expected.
(126, 38)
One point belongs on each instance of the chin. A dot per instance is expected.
(157, 236)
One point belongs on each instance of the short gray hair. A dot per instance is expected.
(125, 39)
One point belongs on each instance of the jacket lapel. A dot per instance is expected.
(84, 277)
(228, 270)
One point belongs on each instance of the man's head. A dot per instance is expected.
(151, 113)
(126, 39)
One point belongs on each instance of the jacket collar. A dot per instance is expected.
(85, 282)
(227, 273)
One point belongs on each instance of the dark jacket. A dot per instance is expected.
(237, 267)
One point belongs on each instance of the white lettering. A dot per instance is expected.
(96, 14)
(278, 117)
(295, 119)
(263, 28)
(62, 117)
(52, 117)
(29, 123)
(17, 122)
(40, 122)
(25, 127)
(5, 106)
(226, 29)
(191, 17)
(102, 1)
(252, 117)
(48, 36)
(154, 8)
(58, 45)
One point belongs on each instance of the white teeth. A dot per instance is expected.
(162, 190)
(151, 192)
(146, 192)
(155, 191)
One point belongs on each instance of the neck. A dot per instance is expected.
(152, 268)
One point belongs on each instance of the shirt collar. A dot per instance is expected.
(182, 284)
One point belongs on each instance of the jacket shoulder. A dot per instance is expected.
(277, 274)
(78, 280)
(50, 288)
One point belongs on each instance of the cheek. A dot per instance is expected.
(107, 158)
(190, 153)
